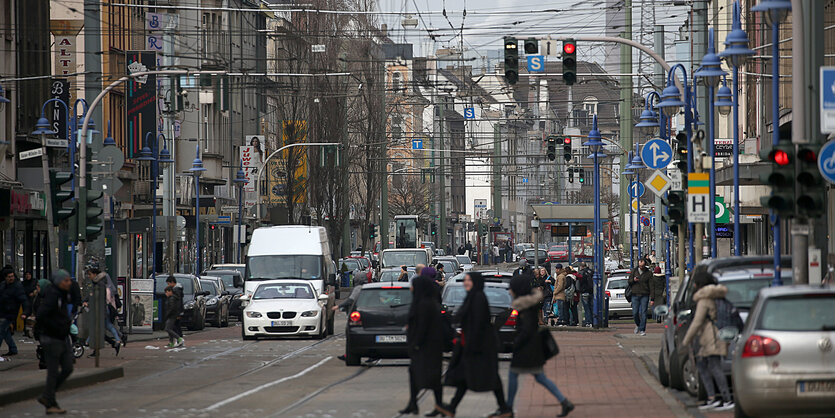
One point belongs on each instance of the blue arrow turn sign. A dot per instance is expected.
(657, 153)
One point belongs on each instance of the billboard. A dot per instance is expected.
(292, 132)
(141, 101)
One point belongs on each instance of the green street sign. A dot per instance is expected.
(722, 213)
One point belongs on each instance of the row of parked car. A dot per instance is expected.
(782, 362)
(212, 298)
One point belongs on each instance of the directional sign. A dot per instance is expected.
(658, 183)
(228, 209)
(551, 47)
(657, 153)
(827, 99)
(826, 161)
(37, 152)
(636, 189)
(469, 113)
(56, 143)
(698, 210)
(536, 63)
(417, 143)
(722, 214)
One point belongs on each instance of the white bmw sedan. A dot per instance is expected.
(285, 308)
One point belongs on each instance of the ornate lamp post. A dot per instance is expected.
(197, 170)
(155, 158)
(595, 144)
(240, 181)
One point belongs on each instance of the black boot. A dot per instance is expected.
(411, 409)
(567, 407)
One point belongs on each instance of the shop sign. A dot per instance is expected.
(19, 203)
(36, 201)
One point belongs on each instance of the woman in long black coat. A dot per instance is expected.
(478, 368)
(426, 348)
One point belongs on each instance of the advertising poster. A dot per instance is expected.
(293, 131)
(121, 317)
(141, 100)
(60, 90)
(142, 304)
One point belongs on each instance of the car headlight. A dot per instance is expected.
(308, 314)
(252, 314)
(212, 301)
(189, 305)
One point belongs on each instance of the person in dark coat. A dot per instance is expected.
(173, 307)
(478, 367)
(640, 283)
(53, 328)
(528, 355)
(12, 298)
(424, 336)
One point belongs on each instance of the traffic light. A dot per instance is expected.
(58, 196)
(681, 151)
(569, 62)
(371, 230)
(571, 175)
(582, 175)
(676, 211)
(90, 218)
(511, 60)
(812, 193)
(566, 147)
(781, 178)
(531, 46)
(434, 228)
(552, 148)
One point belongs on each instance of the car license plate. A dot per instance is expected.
(391, 339)
(619, 296)
(282, 323)
(816, 387)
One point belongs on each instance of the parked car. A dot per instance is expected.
(233, 283)
(240, 268)
(786, 363)
(377, 322)
(285, 308)
(500, 311)
(465, 262)
(355, 271)
(217, 302)
(744, 277)
(615, 287)
(194, 299)
(558, 252)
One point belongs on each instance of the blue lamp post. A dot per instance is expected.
(197, 170)
(710, 74)
(635, 165)
(775, 11)
(154, 157)
(595, 144)
(736, 53)
(629, 172)
(240, 181)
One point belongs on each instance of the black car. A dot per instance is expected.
(377, 322)
(502, 316)
(217, 303)
(542, 254)
(744, 277)
(194, 299)
(233, 281)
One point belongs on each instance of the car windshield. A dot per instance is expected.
(743, 292)
(529, 253)
(811, 312)
(449, 267)
(364, 262)
(209, 286)
(559, 247)
(404, 258)
(283, 291)
(240, 269)
(616, 284)
(186, 282)
(350, 264)
(381, 297)
(393, 275)
(268, 267)
(228, 279)
(463, 259)
(496, 296)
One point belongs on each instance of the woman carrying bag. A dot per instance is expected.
(529, 346)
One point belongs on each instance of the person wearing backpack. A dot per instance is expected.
(571, 297)
(703, 329)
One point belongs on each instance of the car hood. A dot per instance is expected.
(283, 304)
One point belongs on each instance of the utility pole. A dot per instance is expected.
(384, 192)
(497, 175)
(169, 200)
(625, 113)
(443, 166)
(800, 225)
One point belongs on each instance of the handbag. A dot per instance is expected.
(627, 294)
(549, 344)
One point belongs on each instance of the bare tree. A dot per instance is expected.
(409, 196)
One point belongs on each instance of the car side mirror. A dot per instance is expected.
(683, 315)
(661, 310)
(323, 297)
(237, 281)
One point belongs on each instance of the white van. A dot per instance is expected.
(292, 252)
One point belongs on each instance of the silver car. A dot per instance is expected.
(787, 363)
(615, 287)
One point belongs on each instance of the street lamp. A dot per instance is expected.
(595, 144)
(775, 11)
(724, 102)
(240, 181)
(154, 159)
(635, 165)
(736, 53)
(197, 170)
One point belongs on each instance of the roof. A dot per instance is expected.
(714, 264)
(288, 240)
(219, 272)
(770, 292)
(380, 285)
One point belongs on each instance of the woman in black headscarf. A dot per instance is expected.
(478, 368)
(425, 339)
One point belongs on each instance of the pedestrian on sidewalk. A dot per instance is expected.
(572, 297)
(53, 329)
(586, 290)
(528, 355)
(475, 363)
(177, 290)
(12, 299)
(559, 296)
(657, 291)
(709, 349)
(548, 296)
(639, 282)
(425, 338)
(172, 310)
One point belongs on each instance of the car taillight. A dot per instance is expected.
(511, 320)
(608, 294)
(758, 346)
(356, 318)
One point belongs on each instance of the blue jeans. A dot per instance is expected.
(108, 327)
(588, 313)
(7, 335)
(513, 386)
(562, 308)
(639, 311)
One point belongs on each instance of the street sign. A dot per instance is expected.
(536, 63)
(698, 210)
(480, 209)
(675, 179)
(826, 161)
(644, 221)
(524, 179)
(658, 183)
(827, 99)
(724, 231)
(417, 143)
(636, 189)
(657, 153)
(229, 209)
(722, 213)
(550, 47)
(57, 143)
(634, 205)
(469, 113)
(222, 220)
(317, 48)
(37, 152)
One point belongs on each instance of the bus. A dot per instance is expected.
(406, 231)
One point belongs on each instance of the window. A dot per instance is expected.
(378, 298)
(397, 82)
(283, 291)
(590, 107)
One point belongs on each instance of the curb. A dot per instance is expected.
(32, 391)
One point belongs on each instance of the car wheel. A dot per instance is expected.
(738, 412)
(226, 318)
(352, 359)
(219, 318)
(322, 331)
(663, 376)
(243, 333)
(691, 377)
(330, 326)
(676, 380)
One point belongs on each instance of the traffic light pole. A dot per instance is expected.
(800, 225)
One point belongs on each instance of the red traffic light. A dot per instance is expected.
(569, 48)
(780, 157)
(807, 155)
(566, 141)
